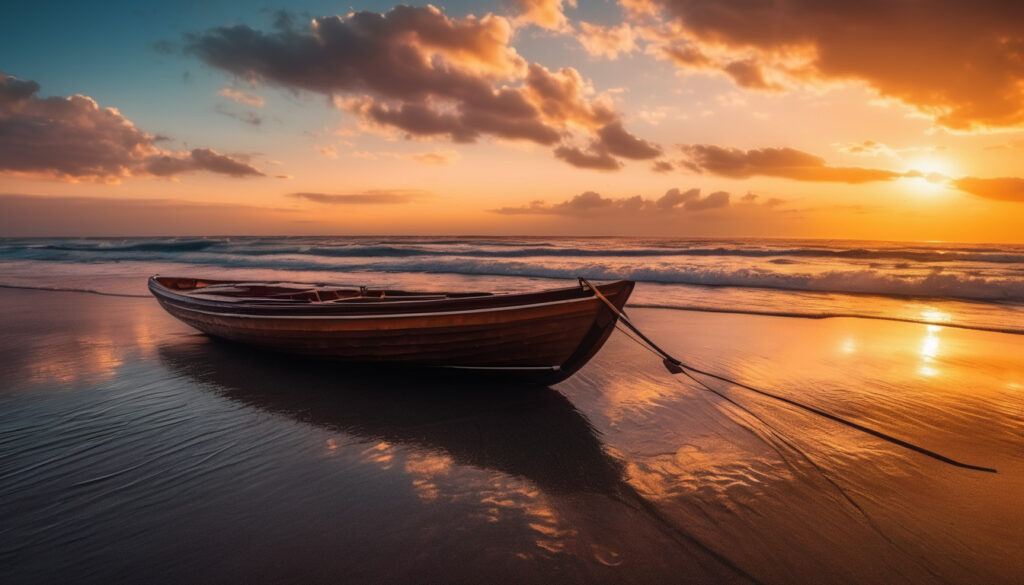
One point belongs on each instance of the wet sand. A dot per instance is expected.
(137, 450)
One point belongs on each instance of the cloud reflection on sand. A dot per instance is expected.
(70, 353)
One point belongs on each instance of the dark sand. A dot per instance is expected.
(137, 450)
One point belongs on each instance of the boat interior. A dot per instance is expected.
(289, 292)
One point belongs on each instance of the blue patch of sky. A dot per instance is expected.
(128, 55)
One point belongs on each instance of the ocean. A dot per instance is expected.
(978, 286)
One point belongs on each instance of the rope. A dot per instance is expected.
(676, 366)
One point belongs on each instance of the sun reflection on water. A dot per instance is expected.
(933, 315)
(849, 345)
(929, 351)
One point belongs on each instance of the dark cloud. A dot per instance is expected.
(617, 141)
(586, 203)
(73, 138)
(408, 53)
(787, 163)
(428, 75)
(748, 73)
(592, 204)
(958, 60)
(420, 120)
(599, 160)
(199, 159)
(1000, 189)
(15, 92)
(612, 139)
(372, 197)
(662, 166)
(688, 55)
(69, 137)
(754, 199)
(690, 200)
(561, 97)
(713, 201)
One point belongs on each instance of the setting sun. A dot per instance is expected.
(930, 175)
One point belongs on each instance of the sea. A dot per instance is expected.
(977, 286)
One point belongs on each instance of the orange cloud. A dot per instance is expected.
(787, 163)
(372, 197)
(1000, 189)
(592, 204)
(662, 166)
(958, 61)
(639, 7)
(242, 97)
(749, 73)
(74, 139)
(607, 42)
(593, 159)
(687, 54)
(866, 148)
(549, 14)
(439, 158)
(561, 98)
(428, 75)
(199, 159)
(614, 138)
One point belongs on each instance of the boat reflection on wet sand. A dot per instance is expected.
(517, 429)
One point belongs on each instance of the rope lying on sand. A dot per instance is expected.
(676, 366)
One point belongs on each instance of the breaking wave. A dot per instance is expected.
(866, 281)
(166, 249)
(108, 248)
(975, 272)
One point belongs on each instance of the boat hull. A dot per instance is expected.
(545, 339)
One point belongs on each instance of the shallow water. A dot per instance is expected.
(135, 449)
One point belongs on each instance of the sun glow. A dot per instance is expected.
(930, 175)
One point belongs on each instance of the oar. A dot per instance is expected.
(676, 366)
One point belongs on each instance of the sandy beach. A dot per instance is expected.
(137, 450)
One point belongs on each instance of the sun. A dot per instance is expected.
(930, 175)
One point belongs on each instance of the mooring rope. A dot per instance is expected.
(676, 366)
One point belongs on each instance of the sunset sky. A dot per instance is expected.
(887, 119)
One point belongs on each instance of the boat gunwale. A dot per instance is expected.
(403, 308)
(387, 315)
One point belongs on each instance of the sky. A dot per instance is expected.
(879, 119)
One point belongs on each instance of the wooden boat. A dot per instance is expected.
(543, 336)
